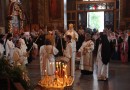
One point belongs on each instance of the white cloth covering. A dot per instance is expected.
(47, 59)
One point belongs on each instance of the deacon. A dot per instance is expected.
(74, 38)
(68, 56)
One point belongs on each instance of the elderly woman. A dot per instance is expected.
(86, 63)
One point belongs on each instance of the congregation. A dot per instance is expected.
(90, 46)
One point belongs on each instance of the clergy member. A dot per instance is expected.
(47, 58)
(103, 57)
(68, 55)
(9, 47)
(74, 38)
(18, 55)
(23, 47)
(86, 50)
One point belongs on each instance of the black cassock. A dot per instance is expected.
(40, 41)
(105, 50)
(29, 43)
(80, 41)
(60, 43)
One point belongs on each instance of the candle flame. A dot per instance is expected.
(65, 76)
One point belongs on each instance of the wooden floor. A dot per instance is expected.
(119, 78)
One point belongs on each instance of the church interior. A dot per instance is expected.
(45, 24)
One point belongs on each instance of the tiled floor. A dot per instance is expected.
(119, 78)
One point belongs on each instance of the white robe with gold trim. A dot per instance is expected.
(24, 49)
(47, 59)
(86, 62)
(18, 57)
(74, 36)
(9, 50)
(70, 64)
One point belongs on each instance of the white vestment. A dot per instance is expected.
(86, 62)
(23, 49)
(1, 50)
(74, 36)
(18, 57)
(47, 59)
(102, 68)
(71, 63)
(9, 50)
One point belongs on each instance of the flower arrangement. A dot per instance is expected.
(13, 74)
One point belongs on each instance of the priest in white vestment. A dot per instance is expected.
(86, 50)
(23, 48)
(47, 58)
(9, 47)
(74, 38)
(18, 55)
(68, 55)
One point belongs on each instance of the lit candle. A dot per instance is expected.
(45, 73)
(56, 74)
(59, 68)
(66, 71)
(45, 76)
(63, 69)
(63, 77)
(56, 63)
(51, 69)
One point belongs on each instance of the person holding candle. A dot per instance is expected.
(47, 58)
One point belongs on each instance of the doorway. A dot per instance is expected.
(106, 9)
(95, 20)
